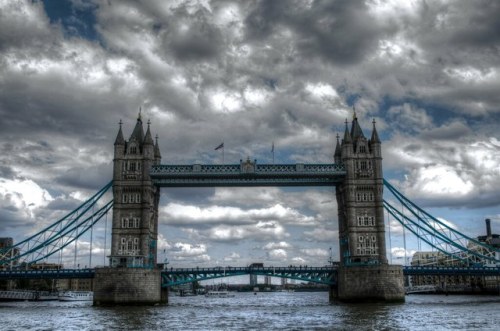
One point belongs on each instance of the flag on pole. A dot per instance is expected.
(220, 146)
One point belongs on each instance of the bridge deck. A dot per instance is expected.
(247, 174)
(323, 275)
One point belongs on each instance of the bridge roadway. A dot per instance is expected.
(176, 276)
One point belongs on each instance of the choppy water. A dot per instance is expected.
(265, 311)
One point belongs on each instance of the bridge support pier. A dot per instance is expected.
(369, 283)
(128, 286)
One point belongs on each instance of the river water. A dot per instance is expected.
(264, 311)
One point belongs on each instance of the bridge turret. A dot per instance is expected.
(361, 224)
(361, 219)
(375, 144)
(148, 145)
(120, 141)
(346, 147)
(157, 151)
(135, 209)
(337, 157)
(119, 151)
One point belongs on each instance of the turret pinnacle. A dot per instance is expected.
(347, 135)
(157, 149)
(375, 138)
(356, 131)
(138, 133)
(119, 137)
(148, 139)
(338, 149)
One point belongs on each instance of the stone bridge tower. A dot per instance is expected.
(364, 272)
(132, 277)
(135, 208)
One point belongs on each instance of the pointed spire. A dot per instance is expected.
(119, 137)
(356, 131)
(375, 138)
(347, 135)
(157, 148)
(337, 147)
(138, 133)
(148, 139)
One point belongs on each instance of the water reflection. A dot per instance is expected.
(266, 311)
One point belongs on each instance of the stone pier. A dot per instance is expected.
(128, 286)
(369, 283)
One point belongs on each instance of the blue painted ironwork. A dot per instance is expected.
(47, 274)
(58, 235)
(320, 275)
(452, 271)
(247, 174)
(177, 276)
(452, 243)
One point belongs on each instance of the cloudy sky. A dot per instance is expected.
(249, 73)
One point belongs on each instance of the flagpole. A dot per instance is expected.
(272, 150)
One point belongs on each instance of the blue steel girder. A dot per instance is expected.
(454, 271)
(46, 274)
(178, 276)
(247, 174)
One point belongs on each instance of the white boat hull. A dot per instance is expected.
(76, 296)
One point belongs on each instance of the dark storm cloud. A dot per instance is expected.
(65, 203)
(463, 24)
(456, 130)
(7, 172)
(89, 177)
(23, 27)
(195, 39)
(187, 195)
(339, 31)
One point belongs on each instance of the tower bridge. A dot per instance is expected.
(132, 276)
(138, 175)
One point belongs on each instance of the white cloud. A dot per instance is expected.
(263, 230)
(315, 252)
(401, 253)
(233, 257)
(20, 203)
(178, 214)
(273, 245)
(277, 254)
(321, 234)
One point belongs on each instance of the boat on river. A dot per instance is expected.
(219, 294)
(76, 296)
(27, 295)
(421, 289)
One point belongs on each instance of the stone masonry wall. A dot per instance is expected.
(370, 283)
(127, 286)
